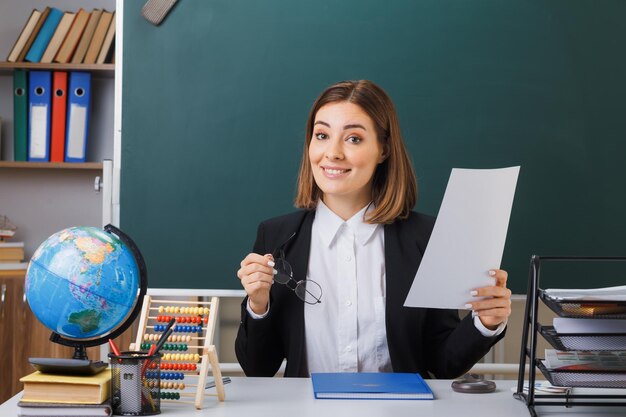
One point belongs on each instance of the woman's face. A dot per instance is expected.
(344, 152)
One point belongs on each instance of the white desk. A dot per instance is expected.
(293, 397)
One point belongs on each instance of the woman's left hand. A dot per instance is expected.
(496, 308)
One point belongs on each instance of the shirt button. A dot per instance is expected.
(348, 258)
(348, 303)
(349, 349)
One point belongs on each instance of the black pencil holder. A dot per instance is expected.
(135, 384)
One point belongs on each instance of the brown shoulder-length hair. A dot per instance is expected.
(394, 189)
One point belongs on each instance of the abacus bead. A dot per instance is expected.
(161, 308)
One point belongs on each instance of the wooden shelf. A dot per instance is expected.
(99, 70)
(52, 165)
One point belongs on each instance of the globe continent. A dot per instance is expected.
(82, 283)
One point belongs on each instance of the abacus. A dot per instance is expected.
(189, 347)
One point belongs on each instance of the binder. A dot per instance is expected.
(40, 85)
(78, 97)
(45, 34)
(20, 115)
(59, 105)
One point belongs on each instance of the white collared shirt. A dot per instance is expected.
(346, 332)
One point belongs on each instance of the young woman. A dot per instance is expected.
(351, 253)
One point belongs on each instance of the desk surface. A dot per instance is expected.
(275, 397)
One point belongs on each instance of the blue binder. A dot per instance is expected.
(371, 385)
(43, 37)
(78, 98)
(39, 105)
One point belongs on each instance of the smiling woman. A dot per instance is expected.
(358, 241)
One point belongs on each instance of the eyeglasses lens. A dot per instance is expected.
(283, 270)
(309, 291)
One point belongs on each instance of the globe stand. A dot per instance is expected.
(80, 352)
(80, 364)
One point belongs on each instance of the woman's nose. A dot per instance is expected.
(334, 151)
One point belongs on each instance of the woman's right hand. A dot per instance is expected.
(256, 275)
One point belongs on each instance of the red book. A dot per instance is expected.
(59, 107)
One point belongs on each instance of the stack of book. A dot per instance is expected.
(51, 109)
(11, 257)
(62, 395)
(78, 37)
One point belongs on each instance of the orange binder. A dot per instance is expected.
(59, 106)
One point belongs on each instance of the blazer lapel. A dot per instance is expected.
(402, 258)
(297, 255)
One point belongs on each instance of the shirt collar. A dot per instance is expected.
(330, 224)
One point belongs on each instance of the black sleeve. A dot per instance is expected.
(454, 345)
(258, 347)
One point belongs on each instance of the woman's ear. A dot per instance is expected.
(384, 153)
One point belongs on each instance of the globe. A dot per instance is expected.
(86, 284)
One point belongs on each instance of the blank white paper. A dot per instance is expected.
(467, 240)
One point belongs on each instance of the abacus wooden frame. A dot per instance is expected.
(209, 352)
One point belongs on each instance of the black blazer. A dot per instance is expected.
(425, 340)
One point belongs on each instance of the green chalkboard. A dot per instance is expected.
(215, 101)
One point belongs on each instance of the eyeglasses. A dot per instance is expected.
(307, 290)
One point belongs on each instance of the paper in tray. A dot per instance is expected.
(581, 341)
(583, 378)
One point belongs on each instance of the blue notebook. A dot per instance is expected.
(385, 386)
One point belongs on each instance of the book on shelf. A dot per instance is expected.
(107, 45)
(77, 124)
(33, 409)
(98, 37)
(11, 251)
(8, 267)
(33, 34)
(20, 115)
(39, 106)
(59, 112)
(370, 385)
(73, 37)
(87, 36)
(24, 36)
(44, 36)
(51, 388)
(58, 37)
